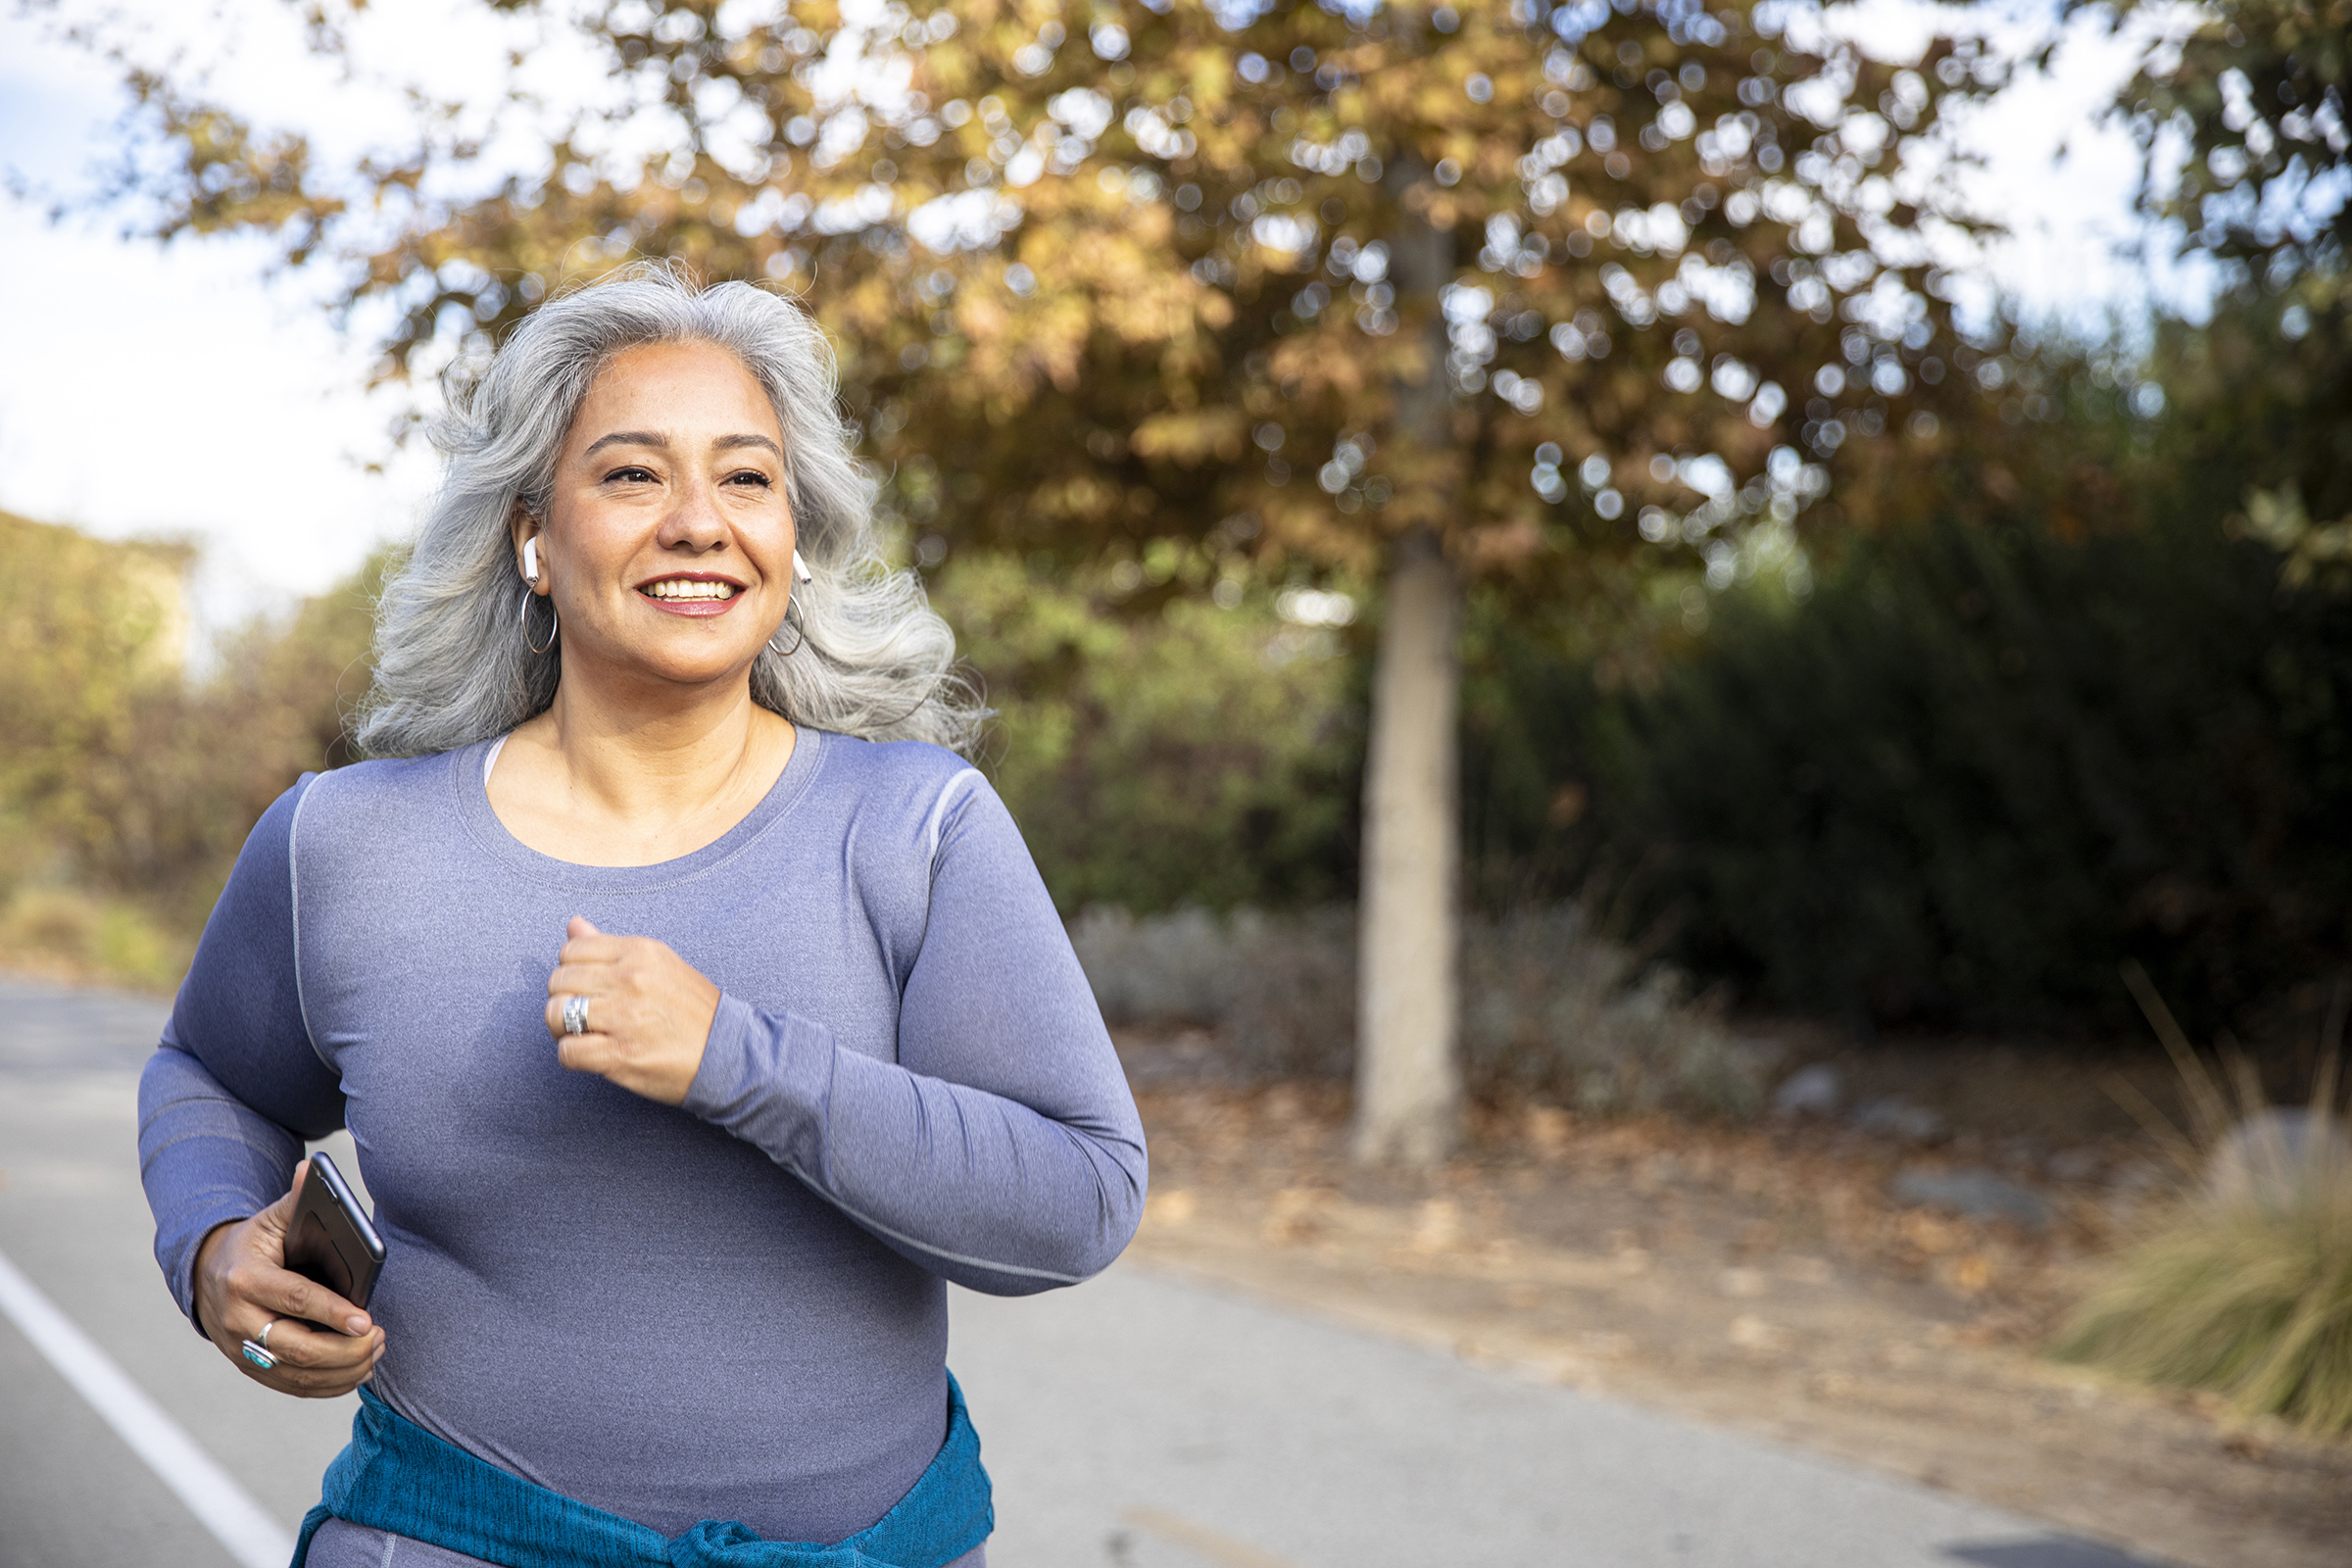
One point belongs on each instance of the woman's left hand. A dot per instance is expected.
(649, 1011)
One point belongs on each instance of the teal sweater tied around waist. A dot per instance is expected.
(394, 1476)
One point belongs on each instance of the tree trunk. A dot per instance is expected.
(1407, 1086)
(1408, 1097)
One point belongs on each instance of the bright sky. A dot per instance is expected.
(178, 390)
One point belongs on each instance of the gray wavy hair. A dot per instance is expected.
(451, 668)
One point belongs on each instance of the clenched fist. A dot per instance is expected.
(649, 1011)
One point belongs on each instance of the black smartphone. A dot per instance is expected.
(333, 1239)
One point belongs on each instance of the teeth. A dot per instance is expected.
(679, 588)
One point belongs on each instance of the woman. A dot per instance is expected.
(696, 1011)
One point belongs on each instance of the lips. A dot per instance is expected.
(689, 588)
(691, 594)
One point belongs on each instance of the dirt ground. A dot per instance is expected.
(1762, 1278)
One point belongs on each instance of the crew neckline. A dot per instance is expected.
(470, 780)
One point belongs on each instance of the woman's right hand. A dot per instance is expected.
(243, 1285)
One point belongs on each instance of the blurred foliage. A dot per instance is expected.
(2002, 750)
(81, 936)
(1133, 307)
(1283, 279)
(2054, 714)
(89, 633)
(1550, 282)
(2246, 125)
(126, 781)
(2256, 93)
(2083, 695)
(1983, 767)
(1990, 751)
(1166, 740)
(1955, 771)
(1552, 1010)
(1195, 755)
(2051, 447)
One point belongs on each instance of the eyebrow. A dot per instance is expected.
(661, 443)
(627, 438)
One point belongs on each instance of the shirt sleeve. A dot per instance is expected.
(1003, 1149)
(234, 1087)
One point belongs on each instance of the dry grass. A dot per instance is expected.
(73, 935)
(2240, 1286)
(2251, 1299)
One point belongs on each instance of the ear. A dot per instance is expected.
(524, 529)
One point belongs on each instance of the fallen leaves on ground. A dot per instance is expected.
(1755, 1276)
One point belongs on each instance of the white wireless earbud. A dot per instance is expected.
(530, 560)
(800, 568)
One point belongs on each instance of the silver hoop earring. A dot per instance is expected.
(552, 632)
(798, 627)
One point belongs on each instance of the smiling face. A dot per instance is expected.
(667, 541)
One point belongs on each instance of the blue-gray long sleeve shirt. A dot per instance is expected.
(729, 1310)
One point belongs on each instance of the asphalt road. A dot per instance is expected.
(1135, 1422)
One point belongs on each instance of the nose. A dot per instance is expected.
(694, 522)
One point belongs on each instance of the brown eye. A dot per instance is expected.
(630, 475)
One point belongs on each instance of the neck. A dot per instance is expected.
(614, 773)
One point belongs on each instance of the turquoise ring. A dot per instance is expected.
(257, 1355)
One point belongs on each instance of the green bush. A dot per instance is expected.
(1983, 767)
(1184, 753)
(2053, 706)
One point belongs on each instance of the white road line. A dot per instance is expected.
(254, 1538)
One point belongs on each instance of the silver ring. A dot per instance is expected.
(263, 1335)
(258, 1356)
(576, 1015)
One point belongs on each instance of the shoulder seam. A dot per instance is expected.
(294, 900)
(939, 811)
